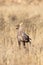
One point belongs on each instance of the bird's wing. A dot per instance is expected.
(25, 36)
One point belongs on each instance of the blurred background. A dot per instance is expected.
(13, 12)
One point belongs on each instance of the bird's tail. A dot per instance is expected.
(30, 40)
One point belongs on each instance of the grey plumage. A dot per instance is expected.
(22, 36)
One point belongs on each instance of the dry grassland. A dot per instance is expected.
(32, 17)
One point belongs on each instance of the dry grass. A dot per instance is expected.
(4, 2)
(32, 17)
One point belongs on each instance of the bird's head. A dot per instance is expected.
(19, 25)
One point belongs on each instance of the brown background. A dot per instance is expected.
(13, 12)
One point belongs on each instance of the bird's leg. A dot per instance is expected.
(19, 43)
(24, 44)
